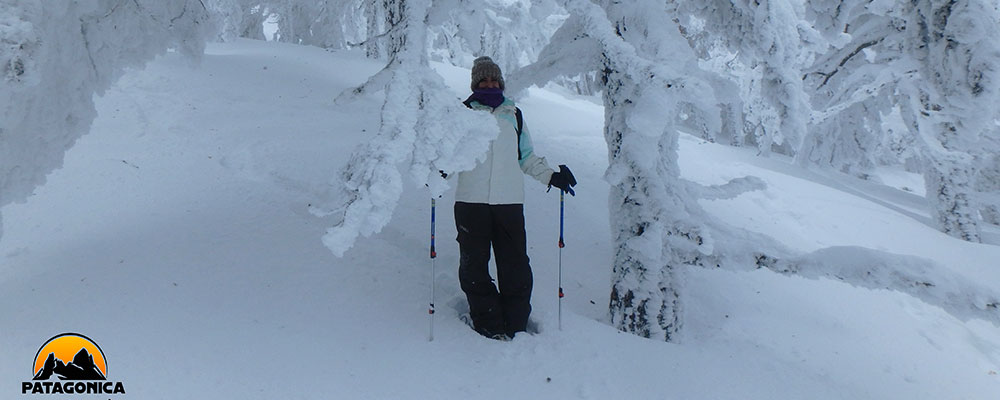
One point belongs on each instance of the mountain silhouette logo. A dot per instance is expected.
(70, 357)
(71, 363)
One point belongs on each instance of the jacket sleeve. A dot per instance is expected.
(532, 164)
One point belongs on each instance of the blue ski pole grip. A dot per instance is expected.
(562, 202)
(433, 212)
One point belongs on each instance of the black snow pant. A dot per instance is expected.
(502, 226)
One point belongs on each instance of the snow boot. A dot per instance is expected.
(467, 319)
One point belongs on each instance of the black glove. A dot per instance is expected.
(564, 180)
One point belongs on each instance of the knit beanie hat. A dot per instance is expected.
(484, 67)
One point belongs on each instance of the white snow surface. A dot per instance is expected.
(177, 236)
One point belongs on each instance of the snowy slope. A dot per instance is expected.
(177, 236)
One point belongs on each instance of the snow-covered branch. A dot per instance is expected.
(55, 56)
(859, 49)
(424, 126)
(730, 189)
(921, 278)
(570, 52)
(926, 280)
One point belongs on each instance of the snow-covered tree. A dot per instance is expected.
(384, 26)
(851, 86)
(988, 188)
(56, 55)
(511, 32)
(934, 61)
(654, 235)
(659, 228)
(424, 127)
(329, 24)
(647, 71)
(950, 100)
(767, 44)
(238, 18)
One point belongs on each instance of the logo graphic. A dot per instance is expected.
(87, 359)
(70, 363)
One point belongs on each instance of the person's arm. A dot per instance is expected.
(532, 164)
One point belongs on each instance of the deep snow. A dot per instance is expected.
(177, 236)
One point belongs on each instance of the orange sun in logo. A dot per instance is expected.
(66, 347)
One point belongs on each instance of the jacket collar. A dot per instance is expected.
(475, 105)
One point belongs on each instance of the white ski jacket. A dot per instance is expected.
(498, 179)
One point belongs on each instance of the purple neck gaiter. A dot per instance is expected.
(490, 97)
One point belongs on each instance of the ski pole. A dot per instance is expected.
(430, 311)
(562, 202)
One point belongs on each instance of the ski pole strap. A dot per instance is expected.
(433, 208)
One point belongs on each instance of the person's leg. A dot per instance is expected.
(513, 268)
(473, 223)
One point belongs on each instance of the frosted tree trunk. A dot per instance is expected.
(643, 298)
(991, 214)
(952, 102)
(375, 14)
(988, 186)
(385, 37)
(647, 77)
(949, 191)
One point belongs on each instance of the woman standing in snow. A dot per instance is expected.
(489, 210)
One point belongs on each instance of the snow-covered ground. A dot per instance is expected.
(177, 237)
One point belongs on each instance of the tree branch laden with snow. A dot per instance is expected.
(424, 128)
(56, 55)
(921, 278)
(951, 102)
